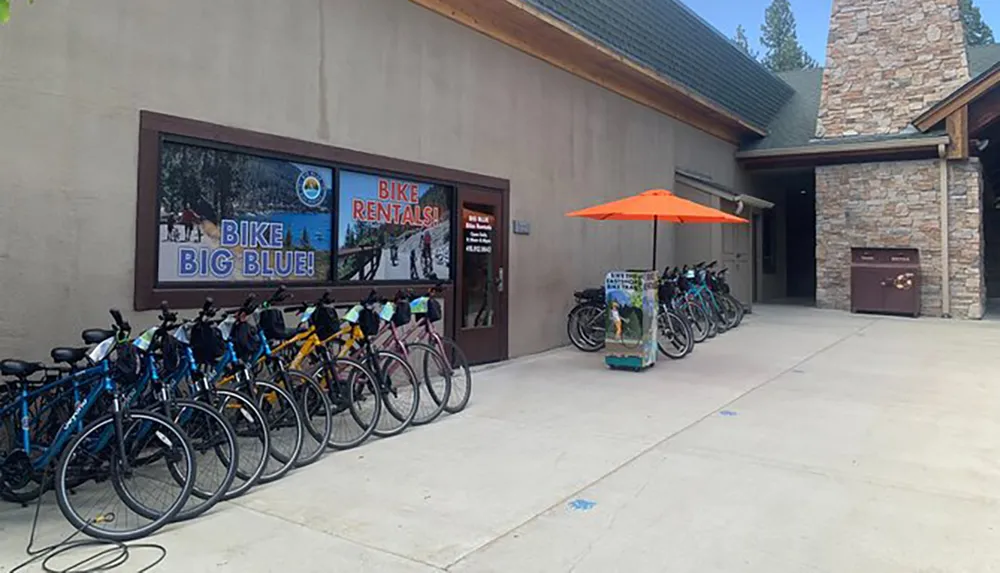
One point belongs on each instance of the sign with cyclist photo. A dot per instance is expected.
(226, 216)
(392, 229)
(630, 341)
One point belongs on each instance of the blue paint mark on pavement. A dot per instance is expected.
(582, 504)
(727, 413)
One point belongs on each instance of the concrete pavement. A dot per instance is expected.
(805, 440)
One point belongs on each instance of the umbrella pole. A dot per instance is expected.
(655, 220)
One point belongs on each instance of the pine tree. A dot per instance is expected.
(778, 36)
(742, 42)
(977, 32)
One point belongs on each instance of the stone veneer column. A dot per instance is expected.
(897, 205)
(887, 61)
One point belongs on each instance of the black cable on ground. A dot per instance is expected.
(115, 555)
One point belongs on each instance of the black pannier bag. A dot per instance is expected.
(433, 310)
(402, 315)
(207, 343)
(369, 322)
(326, 322)
(272, 322)
(126, 365)
(666, 292)
(171, 350)
(245, 341)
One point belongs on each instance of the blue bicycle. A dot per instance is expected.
(145, 462)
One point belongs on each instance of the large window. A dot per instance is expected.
(226, 216)
(392, 229)
(223, 210)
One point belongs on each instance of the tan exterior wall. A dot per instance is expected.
(382, 76)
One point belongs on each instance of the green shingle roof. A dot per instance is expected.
(795, 123)
(982, 58)
(670, 39)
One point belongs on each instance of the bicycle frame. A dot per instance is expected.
(99, 373)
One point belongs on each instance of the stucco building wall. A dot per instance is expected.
(382, 76)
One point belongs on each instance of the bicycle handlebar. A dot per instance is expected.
(119, 321)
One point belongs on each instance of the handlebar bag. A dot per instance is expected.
(272, 322)
(171, 349)
(126, 365)
(207, 343)
(433, 310)
(369, 322)
(245, 341)
(402, 316)
(324, 320)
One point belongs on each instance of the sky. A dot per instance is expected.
(812, 17)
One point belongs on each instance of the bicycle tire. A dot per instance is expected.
(346, 398)
(388, 388)
(168, 434)
(461, 376)
(222, 438)
(699, 322)
(432, 366)
(317, 414)
(575, 328)
(252, 438)
(289, 417)
(740, 311)
(674, 337)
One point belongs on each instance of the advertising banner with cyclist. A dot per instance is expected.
(392, 229)
(232, 217)
(630, 342)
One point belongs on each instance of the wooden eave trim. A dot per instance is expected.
(844, 153)
(959, 99)
(620, 75)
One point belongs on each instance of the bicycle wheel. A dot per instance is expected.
(728, 310)
(253, 442)
(146, 439)
(213, 440)
(740, 311)
(673, 335)
(353, 395)
(574, 328)
(284, 426)
(699, 322)
(435, 381)
(461, 375)
(317, 414)
(399, 388)
(585, 327)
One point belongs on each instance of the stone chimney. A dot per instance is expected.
(887, 61)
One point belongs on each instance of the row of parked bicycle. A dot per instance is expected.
(134, 432)
(695, 304)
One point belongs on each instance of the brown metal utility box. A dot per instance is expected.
(885, 281)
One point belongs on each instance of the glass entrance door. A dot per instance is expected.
(481, 300)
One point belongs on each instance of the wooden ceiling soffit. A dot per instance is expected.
(984, 113)
(522, 27)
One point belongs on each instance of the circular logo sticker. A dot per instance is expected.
(310, 189)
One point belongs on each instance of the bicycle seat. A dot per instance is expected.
(590, 293)
(96, 335)
(19, 368)
(68, 355)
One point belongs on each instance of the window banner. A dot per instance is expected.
(233, 217)
(392, 229)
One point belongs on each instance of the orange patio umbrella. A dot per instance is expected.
(656, 205)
